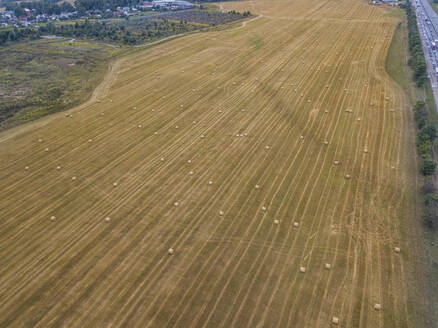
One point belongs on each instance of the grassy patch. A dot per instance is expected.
(396, 61)
(45, 76)
(256, 41)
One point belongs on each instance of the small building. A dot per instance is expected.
(173, 4)
(146, 5)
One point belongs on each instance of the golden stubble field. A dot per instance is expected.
(255, 153)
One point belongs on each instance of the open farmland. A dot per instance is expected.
(278, 146)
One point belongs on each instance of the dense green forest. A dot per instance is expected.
(101, 31)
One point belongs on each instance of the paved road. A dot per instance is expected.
(428, 27)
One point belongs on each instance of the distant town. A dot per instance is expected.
(18, 16)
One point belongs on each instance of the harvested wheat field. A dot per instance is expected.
(260, 176)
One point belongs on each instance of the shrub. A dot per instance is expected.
(430, 130)
(430, 215)
(428, 167)
(428, 187)
(424, 148)
(422, 122)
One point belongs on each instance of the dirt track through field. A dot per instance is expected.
(295, 122)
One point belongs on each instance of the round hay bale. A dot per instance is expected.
(58, 167)
(358, 118)
(202, 136)
(47, 149)
(264, 208)
(155, 133)
(397, 249)
(336, 162)
(115, 184)
(302, 269)
(139, 125)
(162, 159)
(40, 140)
(52, 218)
(347, 176)
(176, 126)
(189, 161)
(134, 107)
(73, 178)
(245, 134)
(326, 142)
(365, 150)
(107, 219)
(392, 167)
(267, 147)
(257, 186)
(220, 111)
(301, 137)
(308, 100)
(191, 173)
(101, 114)
(242, 110)
(90, 140)
(335, 320)
(377, 307)
(276, 222)
(26, 167)
(111, 100)
(170, 251)
(153, 110)
(210, 182)
(176, 204)
(327, 266)
(296, 224)
(326, 111)
(221, 213)
(181, 106)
